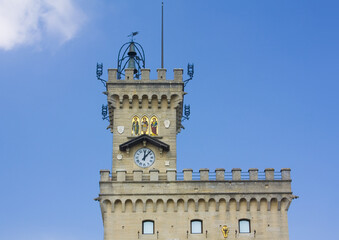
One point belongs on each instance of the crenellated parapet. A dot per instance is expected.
(236, 174)
(144, 87)
(145, 76)
(189, 191)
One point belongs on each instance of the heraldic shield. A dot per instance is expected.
(120, 129)
(225, 231)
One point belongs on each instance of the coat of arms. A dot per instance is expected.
(225, 231)
(120, 129)
(167, 123)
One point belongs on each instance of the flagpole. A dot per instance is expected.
(162, 35)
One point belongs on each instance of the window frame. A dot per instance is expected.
(143, 226)
(201, 226)
(249, 225)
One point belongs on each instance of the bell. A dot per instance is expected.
(131, 62)
(131, 52)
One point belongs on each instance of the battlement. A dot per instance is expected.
(263, 188)
(204, 174)
(164, 92)
(145, 76)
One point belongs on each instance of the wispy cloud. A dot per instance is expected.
(26, 22)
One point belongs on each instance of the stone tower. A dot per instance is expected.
(134, 105)
(144, 197)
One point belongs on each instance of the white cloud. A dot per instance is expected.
(25, 22)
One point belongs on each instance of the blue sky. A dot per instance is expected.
(264, 95)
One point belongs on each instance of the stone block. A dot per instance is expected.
(161, 73)
(188, 174)
(285, 174)
(253, 172)
(236, 174)
(121, 175)
(178, 74)
(104, 175)
(137, 175)
(204, 174)
(220, 174)
(154, 174)
(171, 175)
(269, 173)
(145, 74)
(112, 74)
(129, 74)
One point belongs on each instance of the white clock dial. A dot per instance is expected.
(144, 157)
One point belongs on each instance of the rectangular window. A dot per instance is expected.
(196, 226)
(244, 226)
(148, 227)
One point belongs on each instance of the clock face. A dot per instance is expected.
(144, 157)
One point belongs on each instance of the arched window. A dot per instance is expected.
(148, 227)
(196, 226)
(244, 226)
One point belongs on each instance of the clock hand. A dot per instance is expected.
(144, 157)
(148, 153)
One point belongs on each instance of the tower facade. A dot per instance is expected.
(144, 197)
(144, 115)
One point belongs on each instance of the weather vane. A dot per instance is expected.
(132, 35)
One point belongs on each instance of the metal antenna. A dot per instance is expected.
(162, 34)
